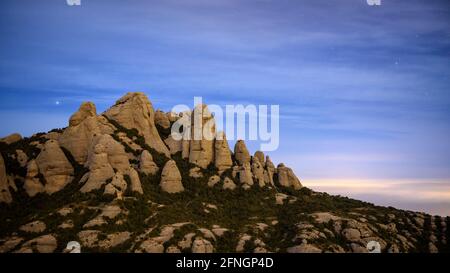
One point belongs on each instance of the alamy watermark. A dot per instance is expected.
(373, 2)
(250, 122)
(373, 247)
(73, 2)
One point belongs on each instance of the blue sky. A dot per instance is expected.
(364, 92)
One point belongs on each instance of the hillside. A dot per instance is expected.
(117, 182)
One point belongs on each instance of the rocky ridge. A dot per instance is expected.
(118, 182)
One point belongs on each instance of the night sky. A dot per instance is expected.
(364, 91)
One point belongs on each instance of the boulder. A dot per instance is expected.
(258, 172)
(351, 234)
(268, 177)
(34, 227)
(84, 125)
(280, 197)
(203, 130)
(173, 249)
(11, 138)
(356, 248)
(171, 178)
(175, 146)
(260, 156)
(43, 244)
(22, 158)
(114, 239)
(146, 164)
(86, 110)
(32, 183)
(5, 194)
(242, 241)
(287, 178)
(304, 248)
(228, 184)
(117, 185)
(241, 153)
(135, 111)
(150, 246)
(223, 159)
(325, 217)
(201, 245)
(100, 170)
(245, 174)
(162, 119)
(186, 242)
(54, 166)
(108, 212)
(269, 171)
(136, 185)
(213, 180)
(106, 156)
(186, 121)
(195, 172)
(117, 156)
(88, 238)
(270, 166)
(10, 243)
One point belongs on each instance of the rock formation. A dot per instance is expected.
(100, 169)
(172, 116)
(107, 156)
(258, 172)
(136, 185)
(162, 119)
(223, 159)
(11, 138)
(212, 212)
(269, 171)
(245, 175)
(5, 194)
(86, 110)
(260, 156)
(171, 178)
(228, 184)
(33, 184)
(175, 146)
(84, 125)
(241, 153)
(117, 185)
(287, 178)
(22, 158)
(201, 146)
(146, 164)
(55, 167)
(134, 111)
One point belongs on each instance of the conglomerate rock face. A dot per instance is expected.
(171, 178)
(54, 166)
(111, 183)
(201, 146)
(5, 195)
(84, 125)
(135, 111)
(223, 160)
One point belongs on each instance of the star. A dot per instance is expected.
(57, 102)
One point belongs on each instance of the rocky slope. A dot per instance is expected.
(117, 182)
